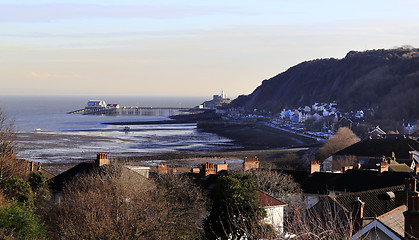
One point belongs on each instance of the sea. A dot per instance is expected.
(47, 134)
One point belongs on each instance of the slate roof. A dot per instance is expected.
(350, 181)
(394, 219)
(57, 183)
(380, 147)
(363, 180)
(377, 201)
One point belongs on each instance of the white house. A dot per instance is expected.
(274, 210)
(96, 103)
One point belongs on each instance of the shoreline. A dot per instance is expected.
(248, 140)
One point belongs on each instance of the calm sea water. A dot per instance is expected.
(71, 137)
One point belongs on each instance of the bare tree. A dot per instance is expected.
(327, 221)
(279, 185)
(186, 204)
(9, 166)
(118, 203)
(107, 206)
(343, 138)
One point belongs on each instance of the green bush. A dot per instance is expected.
(234, 207)
(18, 220)
(40, 189)
(18, 189)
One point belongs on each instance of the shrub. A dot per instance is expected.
(18, 220)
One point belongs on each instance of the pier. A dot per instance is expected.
(131, 110)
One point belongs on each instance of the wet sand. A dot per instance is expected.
(274, 149)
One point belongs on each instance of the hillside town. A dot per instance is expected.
(320, 119)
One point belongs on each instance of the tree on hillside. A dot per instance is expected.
(234, 210)
(343, 138)
(8, 164)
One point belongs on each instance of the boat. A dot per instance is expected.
(126, 129)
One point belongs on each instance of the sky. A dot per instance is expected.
(184, 48)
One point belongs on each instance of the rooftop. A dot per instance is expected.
(265, 200)
(377, 201)
(350, 181)
(378, 147)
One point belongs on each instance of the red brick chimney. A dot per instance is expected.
(411, 218)
(357, 214)
(357, 166)
(12, 153)
(409, 190)
(250, 163)
(416, 170)
(221, 166)
(173, 170)
(410, 184)
(383, 167)
(314, 166)
(207, 169)
(344, 168)
(162, 168)
(102, 159)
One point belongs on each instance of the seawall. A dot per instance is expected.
(254, 135)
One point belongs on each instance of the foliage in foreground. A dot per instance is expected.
(234, 209)
(19, 221)
(16, 188)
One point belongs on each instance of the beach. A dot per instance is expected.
(273, 149)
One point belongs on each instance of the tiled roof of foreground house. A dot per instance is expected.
(265, 200)
(377, 201)
(57, 183)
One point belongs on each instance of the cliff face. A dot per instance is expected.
(386, 80)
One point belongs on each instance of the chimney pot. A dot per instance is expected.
(358, 213)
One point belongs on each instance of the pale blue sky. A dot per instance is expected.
(193, 48)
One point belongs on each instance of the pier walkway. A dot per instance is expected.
(131, 110)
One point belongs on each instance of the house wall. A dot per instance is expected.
(327, 164)
(312, 199)
(376, 234)
(56, 197)
(275, 217)
(144, 171)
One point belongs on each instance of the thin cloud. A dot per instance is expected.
(49, 76)
(46, 12)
